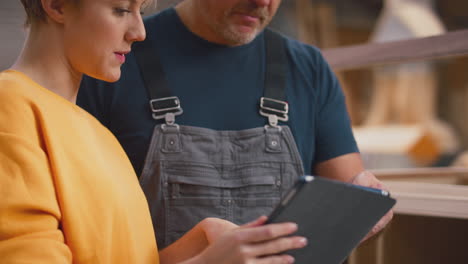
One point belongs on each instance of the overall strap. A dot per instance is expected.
(273, 103)
(162, 103)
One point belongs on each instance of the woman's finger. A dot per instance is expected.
(257, 222)
(278, 245)
(277, 259)
(264, 233)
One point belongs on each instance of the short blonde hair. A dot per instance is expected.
(35, 13)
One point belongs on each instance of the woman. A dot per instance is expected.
(68, 192)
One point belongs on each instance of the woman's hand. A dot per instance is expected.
(215, 227)
(250, 243)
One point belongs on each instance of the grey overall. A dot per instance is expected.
(191, 173)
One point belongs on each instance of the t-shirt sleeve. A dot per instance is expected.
(29, 212)
(334, 132)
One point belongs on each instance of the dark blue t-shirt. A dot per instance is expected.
(220, 87)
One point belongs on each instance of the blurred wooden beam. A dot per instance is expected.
(447, 45)
(441, 192)
(430, 174)
(306, 22)
(429, 199)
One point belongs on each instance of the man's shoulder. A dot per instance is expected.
(295, 44)
(159, 17)
(302, 53)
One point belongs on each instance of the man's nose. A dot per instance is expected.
(261, 2)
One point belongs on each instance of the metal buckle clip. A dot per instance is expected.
(281, 113)
(161, 107)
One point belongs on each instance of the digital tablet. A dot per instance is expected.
(334, 216)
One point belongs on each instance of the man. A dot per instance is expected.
(189, 100)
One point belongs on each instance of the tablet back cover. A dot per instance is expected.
(334, 217)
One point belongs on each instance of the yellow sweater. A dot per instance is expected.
(68, 193)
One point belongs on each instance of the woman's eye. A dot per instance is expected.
(121, 11)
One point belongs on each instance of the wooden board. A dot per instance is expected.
(429, 199)
(441, 192)
(447, 45)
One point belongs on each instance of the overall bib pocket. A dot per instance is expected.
(238, 193)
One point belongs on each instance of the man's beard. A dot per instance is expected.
(236, 38)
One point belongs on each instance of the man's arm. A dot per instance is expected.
(349, 168)
(342, 168)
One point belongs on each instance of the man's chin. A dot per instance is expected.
(241, 35)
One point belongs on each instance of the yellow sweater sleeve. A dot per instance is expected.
(29, 211)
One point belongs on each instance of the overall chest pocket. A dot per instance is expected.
(195, 180)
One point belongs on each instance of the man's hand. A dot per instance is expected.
(368, 179)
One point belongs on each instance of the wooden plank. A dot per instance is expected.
(427, 172)
(447, 45)
(440, 192)
(442, 175)
(426, 199)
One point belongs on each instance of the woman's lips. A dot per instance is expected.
(120, 57)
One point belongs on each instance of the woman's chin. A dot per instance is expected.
(114, 79)
(108, 77)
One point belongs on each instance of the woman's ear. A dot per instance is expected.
(54, 9)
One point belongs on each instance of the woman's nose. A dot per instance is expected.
(136, 31)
